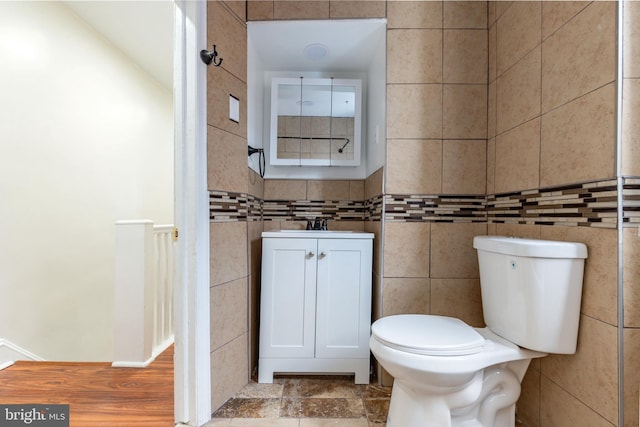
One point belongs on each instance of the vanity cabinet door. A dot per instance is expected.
(288, 298)
(343, 314)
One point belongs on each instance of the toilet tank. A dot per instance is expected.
(531, 290)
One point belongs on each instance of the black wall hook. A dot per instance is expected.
(209, 56)
(261, 160)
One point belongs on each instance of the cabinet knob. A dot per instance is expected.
(310, 255)
(322, 255)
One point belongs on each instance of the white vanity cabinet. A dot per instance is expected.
(315, 304)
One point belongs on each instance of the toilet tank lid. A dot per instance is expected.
(530, 247)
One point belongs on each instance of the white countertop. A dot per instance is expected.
(316, 234)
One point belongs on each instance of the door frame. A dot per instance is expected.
(192, 371)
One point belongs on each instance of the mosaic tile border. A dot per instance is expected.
(226, 206)
(592, 204)
(631, 202)
(254, 206)
(373, 208)
(410, 208)
(300, 210)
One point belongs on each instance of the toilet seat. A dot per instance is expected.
(428, 335)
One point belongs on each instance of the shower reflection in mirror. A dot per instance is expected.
(315, 121)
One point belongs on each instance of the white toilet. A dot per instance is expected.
(448, 374)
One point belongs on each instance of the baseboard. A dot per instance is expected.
(156, 352)
(9, 353)
(127, 364)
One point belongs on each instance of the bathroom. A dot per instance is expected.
(489, 107)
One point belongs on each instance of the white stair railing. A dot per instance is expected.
(143, 292)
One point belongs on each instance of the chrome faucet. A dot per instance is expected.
(317, 224)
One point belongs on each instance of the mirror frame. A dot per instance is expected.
(276, 82)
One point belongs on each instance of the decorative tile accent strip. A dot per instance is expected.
(254, 207)
(300, 210)
(592, 204)
(225, 206)
(373, 208)
(435, 208)
(631, 202)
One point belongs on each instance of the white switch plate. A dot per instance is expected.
(234, 109)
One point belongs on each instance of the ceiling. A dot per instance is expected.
(142, 30)
(350, 44)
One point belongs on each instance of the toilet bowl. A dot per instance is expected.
(442, 381)
(449, 374)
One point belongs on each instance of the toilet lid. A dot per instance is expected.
(429, 335)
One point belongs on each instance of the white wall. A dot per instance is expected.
(86, 139)
(377, 110)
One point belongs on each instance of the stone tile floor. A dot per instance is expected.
(306, 401)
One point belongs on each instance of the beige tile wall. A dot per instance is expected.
(534, 109)
(420, 161)
(552, 122)
(356, 9)
(227, 166)
(437, 65)
(631, 375)
(436, 97)
(591, 375)
(631, 90)
(374, 184)
(552, 67)
(373, 188)
(557, 407)
(229, 365)
(254, 229)
(631, 126)
(258, 10)
(226, 156)
(631, 76)
(228, 241)
(631, 235)
(631, 275)
(583, 386)
(436, 127)
(296, 189)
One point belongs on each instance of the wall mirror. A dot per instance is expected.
(315, 121)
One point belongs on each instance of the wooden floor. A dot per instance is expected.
(97, 394)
